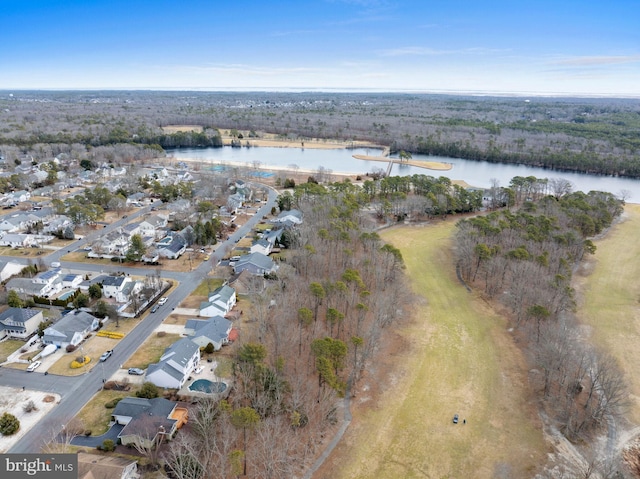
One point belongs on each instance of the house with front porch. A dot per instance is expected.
(255, 263)
(19, 323)
(120, 287)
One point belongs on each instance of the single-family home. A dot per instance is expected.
(234, 202)
(51, 280)
(8, 269)
(19, 323)
(150, 225)
(20, 196)
(72, 328)
(147, 421)
(120, 287)
(255, 263)
(261, 246)
(220, 302)
(175, 365)
(135, 199)
(94, 466)
(71, 280)
(18, 222)
(16, 240)
(173, 250)
(204, 331)
(290, 218)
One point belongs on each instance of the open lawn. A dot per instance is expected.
(9, 346)
(456, 358)
(151, 350)
(93, 347)
(208, 285)
(23, 252)
(608, 295)
(94, 416)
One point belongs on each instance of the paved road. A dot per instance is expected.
(76, 392)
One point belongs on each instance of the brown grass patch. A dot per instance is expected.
(150, 351)
(94, 416)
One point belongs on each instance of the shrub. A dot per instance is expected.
(209, 348)
(79, 362)
(71, 348)
(148, 391)
(9, 424)
(113, 403)
(161, 334)
(29, 406)
(107, 445)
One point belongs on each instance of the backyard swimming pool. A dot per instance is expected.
(206, 386)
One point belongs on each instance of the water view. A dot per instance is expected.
(476, 173)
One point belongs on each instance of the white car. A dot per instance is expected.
(162, 300)
(33, 366)
(198, 370)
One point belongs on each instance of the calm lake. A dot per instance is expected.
(476, 173)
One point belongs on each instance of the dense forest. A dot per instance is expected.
(587, 135)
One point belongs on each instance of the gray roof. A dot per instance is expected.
(18, 315)
(216, 328)
(133, 406)
(70, 323)
(224, 292)
(258, 259)
(180, 352)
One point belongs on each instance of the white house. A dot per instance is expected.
(16, 240)
(8, 269)
(72, 328)
(175, 365)
(221, 301)
(20, 196)
(150, 225)
(50, 281)
(94, 466)
(120, 287)
(71, 280)
(19, 323)
(261, 246)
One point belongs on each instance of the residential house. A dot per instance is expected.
(261, 246)
(16, 240)
(135, 199)
(71, 281)
(50, 280)
(132, 229)
(18, 222)
(175, 365)
(235, 202)
(220, 302)
(20, 196)
(148, 421)
(247, 283)
(289, 218)
(120, 288)
(72, 328)
(214, 330)
(57, 223)
(151, 224)
(255, 263)
(19, 323)
(8, 269)
(95, 466)
(173, 250)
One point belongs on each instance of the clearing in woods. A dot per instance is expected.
(455, 357)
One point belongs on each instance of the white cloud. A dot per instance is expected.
(426, 51)
(587, 61)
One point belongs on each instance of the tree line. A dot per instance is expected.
(525, 260)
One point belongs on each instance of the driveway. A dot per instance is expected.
(94, 441)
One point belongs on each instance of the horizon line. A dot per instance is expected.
(413, 91)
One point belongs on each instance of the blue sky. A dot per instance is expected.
(587, 47)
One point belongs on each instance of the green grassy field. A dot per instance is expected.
(460, 360)
(608, 296)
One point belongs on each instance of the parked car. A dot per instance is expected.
(198, 370)
(55, 264)
(106, 355)
(136, 371)
(155, 308)
(33, 366)
(162, 300)
(207, 258)
(455, 419)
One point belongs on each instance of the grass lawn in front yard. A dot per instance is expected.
(9, 346)
(186, 262)
(23, 252)
(92, 347)
(151, 350)
(207, 286)
(94, 416)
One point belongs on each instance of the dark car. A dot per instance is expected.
(136, 371)
(155, 308)
(455, 419)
